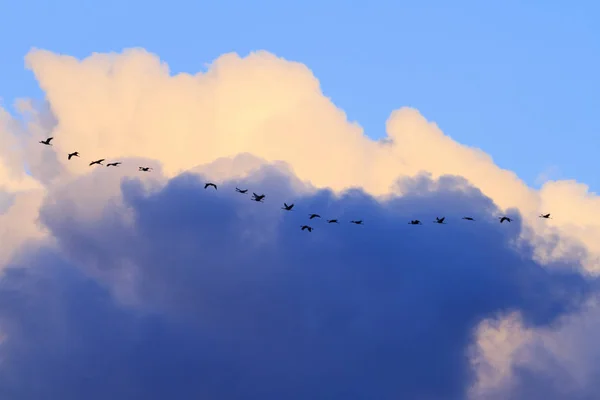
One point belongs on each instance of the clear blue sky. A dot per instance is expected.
(521, 80)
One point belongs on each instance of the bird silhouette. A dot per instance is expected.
(261, 197)
(257, 197)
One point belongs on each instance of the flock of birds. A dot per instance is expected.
(260, 197)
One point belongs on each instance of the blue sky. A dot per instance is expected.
(518, 79)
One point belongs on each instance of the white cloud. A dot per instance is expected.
(128, 107)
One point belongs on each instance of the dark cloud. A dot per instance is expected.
(190, 293)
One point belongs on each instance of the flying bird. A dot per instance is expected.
(332, 221)
(468, 218)
(210, 184)
(145, 169)
(241, 191)
(312, 216)
(258, 198)
(439, 220)
(358, 222)
(73, 154)
(97, 162)
(114, 164)
(415, 222)
(47, 141)
(547, 216)
(306, 227)
(286, 207)
(502, 219)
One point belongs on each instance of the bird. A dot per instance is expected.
(357, 222)
(547, 216)
(439, 220)
(332, 221)
(415, 222)
(240, 190)
(210, 184)
(258, 198)
(73, 154)
(502, 219)
(114, 164)
(98, 162)
(144, 169)
(312, 216)
(468, 218)
(47, 141)
(286, 207)
(306, 227)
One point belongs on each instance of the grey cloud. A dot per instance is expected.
(190, 293)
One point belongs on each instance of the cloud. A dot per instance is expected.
(129, 105)
(12, 173)
(554, 362)
(178, 291)
(123, 264)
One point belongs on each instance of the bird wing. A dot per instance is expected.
(442, 220)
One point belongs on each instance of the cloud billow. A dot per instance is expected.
(184, 292)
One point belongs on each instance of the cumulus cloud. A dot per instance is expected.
(129, 105)
(126, 285)
(12, 171)
(555, 362)
(178, 291)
